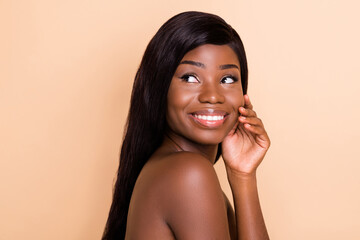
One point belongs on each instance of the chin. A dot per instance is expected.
(208, 137)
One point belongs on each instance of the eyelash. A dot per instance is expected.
(235, 79)
(186, 77)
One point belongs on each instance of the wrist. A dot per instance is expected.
(240, 178)
(234, 173)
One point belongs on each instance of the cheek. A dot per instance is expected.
(179, 97)
(241, 101)
(237, 100)
(177, 102)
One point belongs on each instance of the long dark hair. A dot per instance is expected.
(146, 123)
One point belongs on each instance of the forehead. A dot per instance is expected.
(210, 54)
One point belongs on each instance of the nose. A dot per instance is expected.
(210, 93)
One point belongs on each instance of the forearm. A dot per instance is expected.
(249, 219)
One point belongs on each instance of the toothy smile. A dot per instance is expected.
(209, 118)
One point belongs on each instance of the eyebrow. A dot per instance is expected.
(201, 65)
(227, 66)
(197, 64)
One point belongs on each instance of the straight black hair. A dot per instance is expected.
(146, 123)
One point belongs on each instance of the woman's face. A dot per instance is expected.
(205, 94)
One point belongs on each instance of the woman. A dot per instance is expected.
(188, 107)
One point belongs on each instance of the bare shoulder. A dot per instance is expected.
(186, 165)
(180, 171)
(165, 174)
(189, 195)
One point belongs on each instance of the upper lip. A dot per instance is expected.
(210, 112)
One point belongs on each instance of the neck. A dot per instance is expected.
(179, 143)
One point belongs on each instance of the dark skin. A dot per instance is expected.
(177, 194)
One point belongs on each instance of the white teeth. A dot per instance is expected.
(209, 118)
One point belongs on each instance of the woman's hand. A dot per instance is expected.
(245, 146)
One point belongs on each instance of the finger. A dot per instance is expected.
(243, 131)
(258, 130)
(247, 112)
(251, 120)
(261, 136)
(248, 103)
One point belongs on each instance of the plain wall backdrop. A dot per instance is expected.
(66, 73)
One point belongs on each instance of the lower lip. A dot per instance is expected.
(208, 123)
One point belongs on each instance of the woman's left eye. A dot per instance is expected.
(228, 79)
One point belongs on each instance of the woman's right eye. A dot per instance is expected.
(190, 78)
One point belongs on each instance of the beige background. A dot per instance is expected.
(66, 71)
